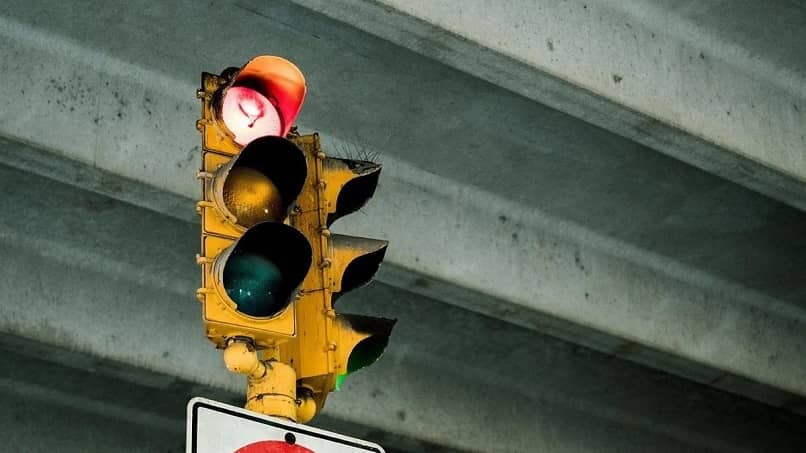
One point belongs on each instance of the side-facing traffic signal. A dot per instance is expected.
(271, 269)
(329, 345)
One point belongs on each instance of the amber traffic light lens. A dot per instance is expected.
(252, 197)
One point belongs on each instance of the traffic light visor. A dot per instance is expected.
(354, 184)
(356, 260)
(368, 337)
(261, 272)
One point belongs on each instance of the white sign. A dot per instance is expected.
(215, 427)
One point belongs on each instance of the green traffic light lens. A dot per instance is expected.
(253, 282)
(262, 270)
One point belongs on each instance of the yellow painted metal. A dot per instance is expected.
(220, 230)
(349, 338)
(343, 252)
(337, 175)
(322, 347)
(306, 405)
(240, 357)
(275, 392)
(306, 346)
(271, 385)
(310, 353)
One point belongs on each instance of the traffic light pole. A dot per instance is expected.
(271, 384)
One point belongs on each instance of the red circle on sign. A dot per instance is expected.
(273, 446)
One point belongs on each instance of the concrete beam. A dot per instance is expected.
(99, 322)
(115, 407)
(719, 84)
(573, 229)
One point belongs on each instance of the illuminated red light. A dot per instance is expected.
(248, 114)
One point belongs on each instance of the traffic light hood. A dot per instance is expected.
(351, 183)
(363, 339)
(356, 261)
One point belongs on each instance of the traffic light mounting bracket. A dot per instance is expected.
(271, 384)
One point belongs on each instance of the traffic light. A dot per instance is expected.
(271, 269)
(252, 261)
(331, 345)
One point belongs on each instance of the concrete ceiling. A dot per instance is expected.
(621, 175)
(717, 84)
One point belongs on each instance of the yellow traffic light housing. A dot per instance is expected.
(252, 261)
(271, 269)
(330, 345)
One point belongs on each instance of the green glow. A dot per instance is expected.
(340, 380)
(252, 282)
(365, 353)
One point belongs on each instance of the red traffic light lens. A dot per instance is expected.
(248, 114)
(263, 99)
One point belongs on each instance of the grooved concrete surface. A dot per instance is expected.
(560, 168)
(99, 319)
(720, 84)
